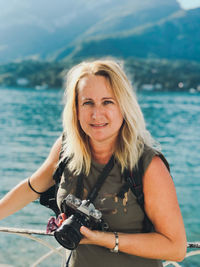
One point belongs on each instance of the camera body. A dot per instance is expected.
(79, 213)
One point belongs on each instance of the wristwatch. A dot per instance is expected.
(116, 247)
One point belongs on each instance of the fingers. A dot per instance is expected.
(90, 237)
(86, 232)
(93, 237)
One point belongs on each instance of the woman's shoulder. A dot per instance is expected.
(148, 154)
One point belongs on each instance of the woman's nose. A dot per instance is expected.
(97, 112)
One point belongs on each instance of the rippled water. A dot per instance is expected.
(30, 121)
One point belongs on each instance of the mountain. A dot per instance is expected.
(173, 37)
(51, 29)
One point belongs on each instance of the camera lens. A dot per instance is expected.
(68, 235)
(69, 239)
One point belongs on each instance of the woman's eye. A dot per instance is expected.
(87, 103)
(107, 102)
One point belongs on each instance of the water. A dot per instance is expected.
(30, 122)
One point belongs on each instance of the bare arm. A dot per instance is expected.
(41, 180)
(168, 242)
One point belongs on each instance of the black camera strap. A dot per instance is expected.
(100, 180)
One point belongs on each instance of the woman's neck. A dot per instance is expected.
(102, 154)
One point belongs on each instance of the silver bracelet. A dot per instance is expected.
(116, 247)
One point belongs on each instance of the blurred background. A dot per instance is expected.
(158, 43)
(158, 40)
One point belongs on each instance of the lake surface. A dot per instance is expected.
(30, 122)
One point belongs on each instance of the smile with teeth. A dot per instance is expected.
(98, 124)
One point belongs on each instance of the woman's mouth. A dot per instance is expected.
(98, 125)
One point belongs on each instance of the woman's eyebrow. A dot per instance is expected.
(91, 99)
(105, 98)
(86, 98)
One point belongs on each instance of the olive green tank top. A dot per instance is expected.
(122, 215)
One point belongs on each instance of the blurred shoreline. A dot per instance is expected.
(145, 74)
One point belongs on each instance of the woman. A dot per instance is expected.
(102, 118)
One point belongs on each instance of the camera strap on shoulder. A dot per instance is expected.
(101, 179)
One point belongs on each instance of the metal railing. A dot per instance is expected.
(62, 252)
(28, 233)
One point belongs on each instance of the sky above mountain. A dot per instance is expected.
(29, 11)
(189, 4)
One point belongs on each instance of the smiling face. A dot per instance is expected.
(99, 113)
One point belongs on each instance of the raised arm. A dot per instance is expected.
(41, 180)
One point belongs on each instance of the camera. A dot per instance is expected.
(79, 213)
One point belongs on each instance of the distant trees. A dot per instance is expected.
(164, 74)
(37, 73)
(149, 74)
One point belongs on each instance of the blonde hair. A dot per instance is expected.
(133, 133)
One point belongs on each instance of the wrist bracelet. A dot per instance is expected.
(116, 247)
(29, 184)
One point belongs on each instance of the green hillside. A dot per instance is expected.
(33, 30)
(174, 37)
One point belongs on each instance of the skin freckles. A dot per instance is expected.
(98, 110)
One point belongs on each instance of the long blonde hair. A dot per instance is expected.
(133, 133)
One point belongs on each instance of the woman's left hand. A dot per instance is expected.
(106, 239)
(90, 236)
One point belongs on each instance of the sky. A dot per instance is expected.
(188, 4)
